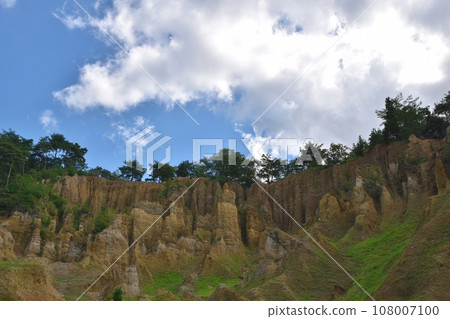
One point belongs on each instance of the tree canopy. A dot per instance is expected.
(55, 150)
(404, 117)
(132, 171)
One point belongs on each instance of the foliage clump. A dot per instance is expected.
(103, 219)
(117, 294)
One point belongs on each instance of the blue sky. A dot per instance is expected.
(42, 56)
(225, 62)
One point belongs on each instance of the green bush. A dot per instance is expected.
(71, 171)
(103, 219)
(6, 205)
(58, 201)
(25, 192)
(118, 294)
(46, 220)
(45, 233)
(77, 212)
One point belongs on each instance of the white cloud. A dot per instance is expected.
(123, 130)
(246, 53)
(7, 3)
(48, 120)
(72, 22)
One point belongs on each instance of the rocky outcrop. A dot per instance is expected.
(28, 280)
(255, 227)
(225, 221)
(104, 248)
(34, 246)
(6, 244)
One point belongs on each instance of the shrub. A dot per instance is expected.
(77, 212)
(46, 219)
(118, 294)
(25, 192)
(102, 220)
(45, 233)
(71, 171)
(58, 201)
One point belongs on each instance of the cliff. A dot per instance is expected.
(374, 215)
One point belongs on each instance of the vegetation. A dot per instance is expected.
(162, 174)
(16, 264)
(56, 151)
(78, 212)
(103, 219)
(170, 281)
(102, 172)
(205, 286)
(27, 170)
(132, 171)
(358, 149)
(403, 117)
(376, 256)
(118, 294)
(270, 169)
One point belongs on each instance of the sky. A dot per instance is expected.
(99, 72)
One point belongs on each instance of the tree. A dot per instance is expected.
(376, 137)
(270, 169)
(14, 150)
(292, 167)
(443, 107)
(402, 117)
(185, 169)
(336, 154)
(102, 172)
(163, 173)
(359, 149)
(226, 166)
(131, 171)
(437, 123)
(56, 151)
(435, 127)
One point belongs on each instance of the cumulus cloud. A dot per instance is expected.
(244, 54)
(48, 120)
(7, 3)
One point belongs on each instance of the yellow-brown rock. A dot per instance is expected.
(255, 228)
(226, 222)
(105, 247)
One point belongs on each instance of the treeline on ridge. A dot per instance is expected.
(28, 169)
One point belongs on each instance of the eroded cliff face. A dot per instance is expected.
(393, 202)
